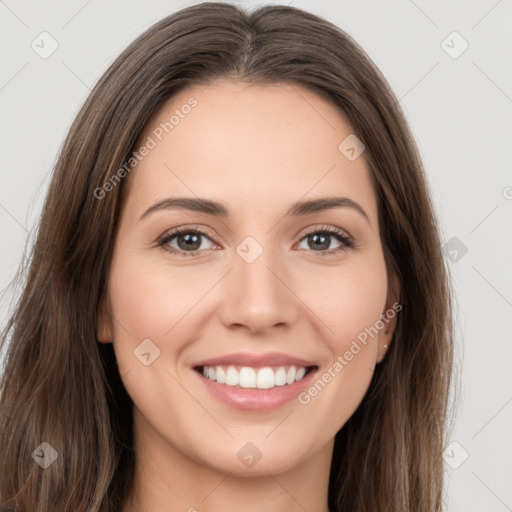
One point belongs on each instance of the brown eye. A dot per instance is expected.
(188, 241)
(320, 241)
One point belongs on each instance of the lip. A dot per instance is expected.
(255, 360)
(255, 400)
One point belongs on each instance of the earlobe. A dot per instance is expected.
(104, 332)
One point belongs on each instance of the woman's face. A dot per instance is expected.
(254, 289)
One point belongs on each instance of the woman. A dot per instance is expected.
(237, 298)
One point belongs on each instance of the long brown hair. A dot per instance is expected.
(62, 387)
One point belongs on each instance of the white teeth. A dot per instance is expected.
(220, 375)
(259, 378)
(265, 379)
(247, 377)
(280, 377)
(232, 378)
(290, 375)
(300, 373)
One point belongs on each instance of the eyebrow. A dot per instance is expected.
(216, 209)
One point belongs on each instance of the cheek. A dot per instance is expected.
(354, 301)
(348, 300)
(353, 312)
(139, 303)
(149, 301)
(154, 301)
(150, 297)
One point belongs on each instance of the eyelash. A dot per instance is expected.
(346, 241)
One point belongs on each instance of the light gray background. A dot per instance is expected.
(459, 109)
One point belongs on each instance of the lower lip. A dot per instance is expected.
(256, 399)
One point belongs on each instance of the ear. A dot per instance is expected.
(104, 331)
(389, 316)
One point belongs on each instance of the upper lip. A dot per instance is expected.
(255, 360)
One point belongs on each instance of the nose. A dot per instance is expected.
(259, 296)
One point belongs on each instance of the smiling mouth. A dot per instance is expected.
(247, 377)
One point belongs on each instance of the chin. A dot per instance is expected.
(255, 458)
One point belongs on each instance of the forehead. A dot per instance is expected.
(249, 144)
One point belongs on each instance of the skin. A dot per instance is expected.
(257, 150)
